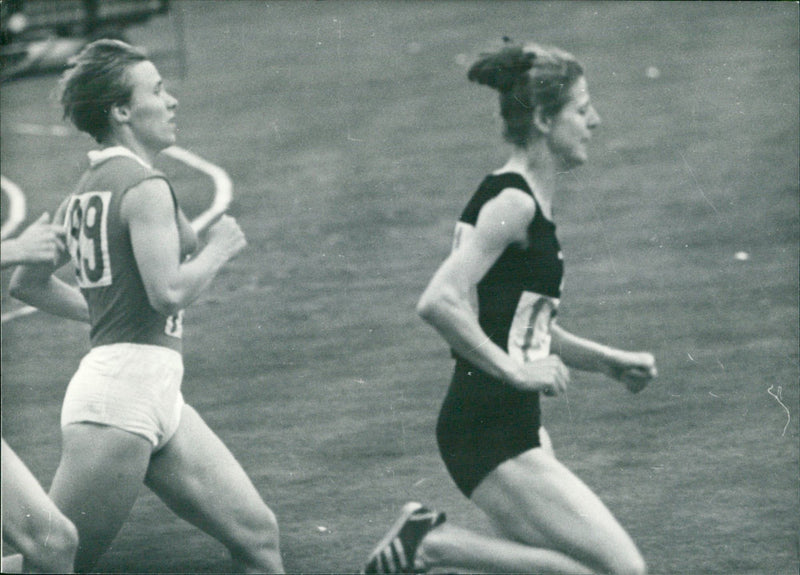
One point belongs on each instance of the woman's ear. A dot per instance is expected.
(120, 113)
(540, 121)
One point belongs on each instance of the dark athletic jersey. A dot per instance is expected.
(102, 255)
(519, 295)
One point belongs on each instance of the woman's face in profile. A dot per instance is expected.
(572, 127)
(151, 107)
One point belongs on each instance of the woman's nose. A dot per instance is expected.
(594, 119)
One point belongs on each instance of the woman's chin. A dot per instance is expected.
(572, 162)
(167, 142)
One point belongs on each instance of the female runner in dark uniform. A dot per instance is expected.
(494, 300)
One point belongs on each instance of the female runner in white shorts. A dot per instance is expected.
(138, 263)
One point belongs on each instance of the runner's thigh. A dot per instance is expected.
(198, 477)
(97, 482)
(536, 500)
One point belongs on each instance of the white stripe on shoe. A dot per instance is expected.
(401, 553)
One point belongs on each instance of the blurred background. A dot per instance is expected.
(353, 139)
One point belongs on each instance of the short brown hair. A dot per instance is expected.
(95, 81)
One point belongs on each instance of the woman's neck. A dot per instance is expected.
(134, 145)
(538, 168)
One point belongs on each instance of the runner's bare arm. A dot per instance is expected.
(172, 285)
(35, 284)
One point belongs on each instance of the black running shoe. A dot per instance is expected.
(397, 551)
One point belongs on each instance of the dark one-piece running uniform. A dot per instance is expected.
(485, 421)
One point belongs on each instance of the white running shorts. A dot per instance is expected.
(130, 386)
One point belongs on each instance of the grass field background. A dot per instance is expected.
(353, 140)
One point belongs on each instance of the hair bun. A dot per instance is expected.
(501, 70)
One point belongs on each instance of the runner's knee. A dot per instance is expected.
(67, 535)
(52, 546)
(65, 541)
(256, 536)
(633, 564)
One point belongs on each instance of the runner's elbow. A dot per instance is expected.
(428, 306)
(167, 302)
(19, 288)
(433, 305)
(16, 291)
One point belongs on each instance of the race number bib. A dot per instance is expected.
(529, 336)
(87, 238)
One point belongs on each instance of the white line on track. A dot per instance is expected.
(223, 186)
(18, 313)
(223, 194)
(26, 129)
(16, 207)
